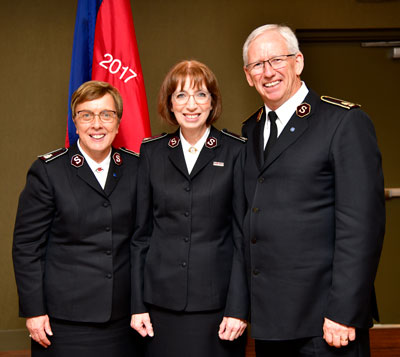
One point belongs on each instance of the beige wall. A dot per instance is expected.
(36, 43)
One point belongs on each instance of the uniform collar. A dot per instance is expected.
(286, 110)
(105, 164)
(198, 146)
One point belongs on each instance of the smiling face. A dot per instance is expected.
(191, 116)
(274, 86)
(96, 137)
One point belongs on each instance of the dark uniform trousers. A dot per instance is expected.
(315, 221)
(314, 347)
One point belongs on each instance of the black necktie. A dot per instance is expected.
(273, 133)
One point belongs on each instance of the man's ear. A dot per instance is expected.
(299, 63)
(248, 77)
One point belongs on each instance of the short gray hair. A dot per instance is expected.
(285, 31)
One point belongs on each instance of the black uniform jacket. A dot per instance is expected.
(315, 222)
(71, 240)
(188, 248)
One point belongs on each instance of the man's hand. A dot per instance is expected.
(142, 324)
(338, 335)
(231, 328)
(39, 328)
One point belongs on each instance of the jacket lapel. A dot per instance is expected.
(293, 130)
(207, 153)
(176, 155)
(83, 171)
(114, 174)
(258, 142)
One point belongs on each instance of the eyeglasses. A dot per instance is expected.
(200, 97)
(86, 116)
(277, 62)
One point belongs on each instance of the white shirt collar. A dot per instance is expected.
(192, 155)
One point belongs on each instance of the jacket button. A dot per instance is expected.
(108, 276)
(256, 210)
(108, 252)
(256, 272)
(186, 214)
(187, 189)
(253, 240)
(261, 179)
(105, 204)
(186, 239)
(108, 229)
(184, 264)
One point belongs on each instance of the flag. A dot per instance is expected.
(105, 49)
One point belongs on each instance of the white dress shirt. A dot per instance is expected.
(100, 170)
(192, 152)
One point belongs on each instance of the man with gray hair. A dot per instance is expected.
(316, 211)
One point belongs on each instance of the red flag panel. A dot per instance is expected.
(116, 60)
